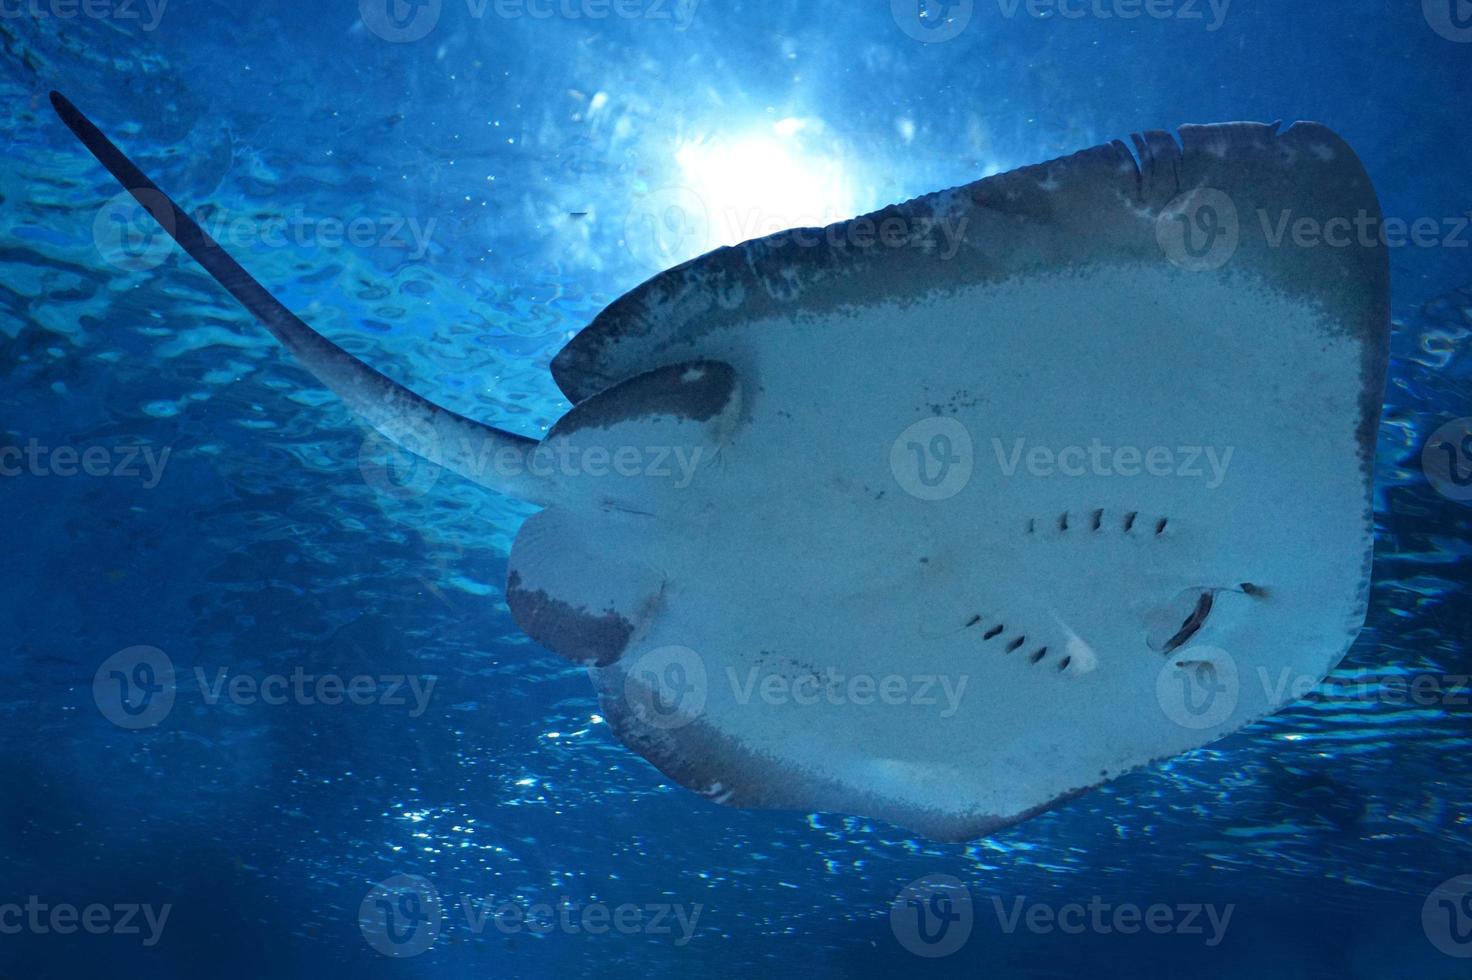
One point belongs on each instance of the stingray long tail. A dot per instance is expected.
(491, 457)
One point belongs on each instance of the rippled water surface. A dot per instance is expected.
(499, 171)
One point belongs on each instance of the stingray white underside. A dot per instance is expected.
(803, 577)
(804, 625)
(946, 535)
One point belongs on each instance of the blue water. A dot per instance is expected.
(532, 144)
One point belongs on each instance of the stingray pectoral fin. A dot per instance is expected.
(585, 576)
(572, 588)
(489, 456)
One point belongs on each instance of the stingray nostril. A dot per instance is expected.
(1192, 623)
(1016, 643)
(1038, 654)
(1256, 591)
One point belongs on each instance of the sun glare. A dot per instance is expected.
(763, 181)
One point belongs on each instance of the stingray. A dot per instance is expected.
(937, 554)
